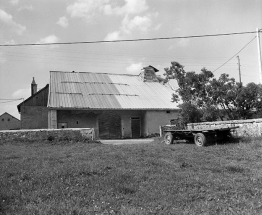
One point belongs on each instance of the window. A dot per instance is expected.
(3, 119)
(168, 111)
(8, 119)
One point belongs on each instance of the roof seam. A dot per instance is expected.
(81, 82)
(90, 94)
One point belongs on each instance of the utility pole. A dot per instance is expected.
(239, 69)
(259, 55)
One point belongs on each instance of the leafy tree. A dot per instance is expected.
(249, 100)
(205, 98)
(189, 113)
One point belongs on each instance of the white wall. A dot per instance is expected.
(154, 119)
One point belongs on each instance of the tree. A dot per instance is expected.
(205, 98)
(249, 100)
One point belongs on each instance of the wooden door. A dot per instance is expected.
(136, 127)
(109, 125)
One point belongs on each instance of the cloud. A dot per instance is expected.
(141, 23)
(85, 8)
(21, 93)
(128, 25)
(7, 20)
(134, 68)
(113, 36)
(10, 42)
(14, 2)
(184, 42)
(25, 7)
(63, 21)
(49, 39)
(157, 27)
(130, 7)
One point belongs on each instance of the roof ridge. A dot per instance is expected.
(98, 73)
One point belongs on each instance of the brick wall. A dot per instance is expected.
(55, 135)
(247, 128)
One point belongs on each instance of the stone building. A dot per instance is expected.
(115, 105)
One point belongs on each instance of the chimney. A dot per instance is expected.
(33, 87)
(149, 74)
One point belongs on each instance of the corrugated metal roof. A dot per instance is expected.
(84, 90)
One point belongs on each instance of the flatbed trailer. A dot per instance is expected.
(201, 137)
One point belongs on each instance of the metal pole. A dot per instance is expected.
(239, 69)
(259, 54)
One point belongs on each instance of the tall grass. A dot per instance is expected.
(41, 178)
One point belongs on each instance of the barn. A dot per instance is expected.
(115, 105)
(9, 122)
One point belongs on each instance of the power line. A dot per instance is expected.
(235, 54)
(131, 40)
(11, 99)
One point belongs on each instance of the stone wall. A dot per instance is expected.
(51, 135)
(247, 128)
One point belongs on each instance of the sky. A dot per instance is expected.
(52, 21)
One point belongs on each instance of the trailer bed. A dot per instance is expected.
(201, 136)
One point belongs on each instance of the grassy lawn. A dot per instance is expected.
(153, 178)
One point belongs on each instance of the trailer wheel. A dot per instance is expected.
(168, 138)
(200, 139)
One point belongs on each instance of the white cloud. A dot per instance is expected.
(89, 8)
(49, 39)
(113, 36)
(63, 21)
(138, 23)
(183, 42)
(10, 42)
(157, 27)
(130, 7)
(86, 8)
(14, 2)
(25, 7)
(134, 68)
(141, 23)
(21, 93)
(7, 19)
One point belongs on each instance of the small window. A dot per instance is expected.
(76, 122)
(3, 119)
(168, 111)
(8, 119)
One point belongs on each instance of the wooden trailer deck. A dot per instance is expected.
(201, 137)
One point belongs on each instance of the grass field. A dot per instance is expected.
(153, 178)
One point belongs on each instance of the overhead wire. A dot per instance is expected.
(126, 40)
(10, 100)
(234, 55)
